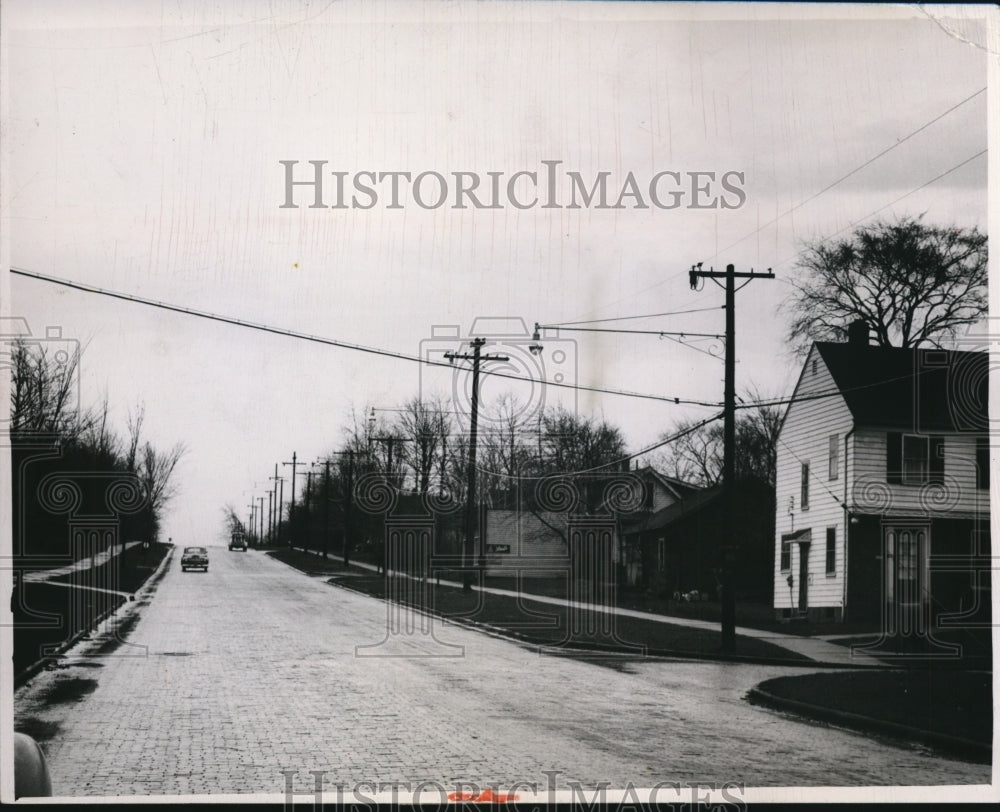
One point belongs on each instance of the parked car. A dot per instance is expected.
(31, 773)
(194, 558)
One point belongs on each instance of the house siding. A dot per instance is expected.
(804, 437)
(957, 497)
(535, 542)
(661, 497)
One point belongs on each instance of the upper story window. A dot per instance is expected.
(914, 459)
(834, 456)
(804, 496)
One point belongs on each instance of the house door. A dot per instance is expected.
(906, 575)
(804, 576)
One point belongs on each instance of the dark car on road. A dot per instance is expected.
(238, 541)
(194, 558)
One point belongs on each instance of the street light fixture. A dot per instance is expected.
(535, 347)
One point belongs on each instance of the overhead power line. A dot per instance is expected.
(857, 169)
(610, 465)
(637, 332)
(833, 185)
(643, 316)
(868, 216)
(189, 311)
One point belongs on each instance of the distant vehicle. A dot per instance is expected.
(194, 558)
(238, 541)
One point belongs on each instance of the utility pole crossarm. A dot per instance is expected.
(697, 273)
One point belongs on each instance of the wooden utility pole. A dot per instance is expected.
(470, 505)
(326, 507)
(270, 514)
(291, 510)
(349, 509)
(728, 443)
(276, 519)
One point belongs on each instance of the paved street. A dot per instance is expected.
(252, 668)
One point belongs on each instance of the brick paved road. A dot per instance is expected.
(251, 669)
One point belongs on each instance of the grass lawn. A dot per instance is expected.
(936, 651)
(125, 572)
(952, 703)
(46, 616)
(537, 623)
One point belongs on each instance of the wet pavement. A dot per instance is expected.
(232, 678)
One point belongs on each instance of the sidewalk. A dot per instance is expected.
(36, 576)
(819, 650)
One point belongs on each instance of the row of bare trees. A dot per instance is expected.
(421, 449)
(68, 460)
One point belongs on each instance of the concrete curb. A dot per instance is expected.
(982, 753)
(33, 669)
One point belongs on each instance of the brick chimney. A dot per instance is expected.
(857, 333)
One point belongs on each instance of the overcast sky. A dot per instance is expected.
(143, 151)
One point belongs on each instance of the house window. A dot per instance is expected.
(906, 557)
(834, 456)
(804, 496)
(831, 551)
(786, 555)
(916, 459)
(982, 462)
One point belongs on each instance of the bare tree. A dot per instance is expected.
(911, 283)
(135, 419)
(155, 474)
(697, 455)
(103, 442)
(420, 422)
(232, 520)
(575, 443)
(43, 392)
(507, 454)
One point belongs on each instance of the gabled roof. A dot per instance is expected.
(678, 487)
(918, 389)
(700, 500)
(671, 513)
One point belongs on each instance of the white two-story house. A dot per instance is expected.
(882, 486)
